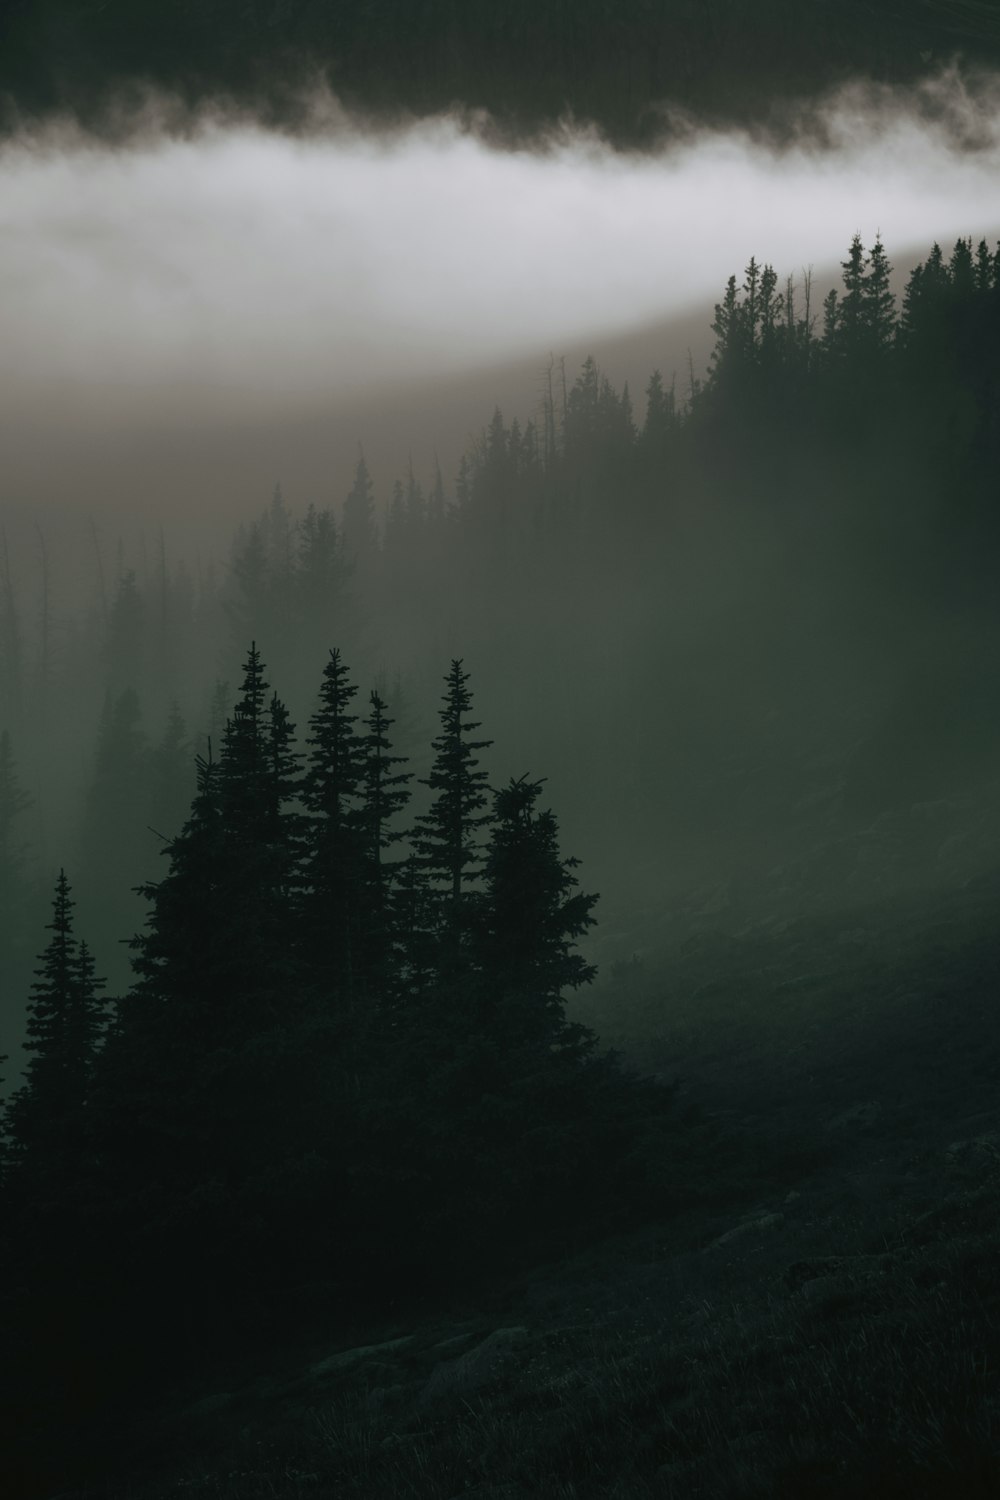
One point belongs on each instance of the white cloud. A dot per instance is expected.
(229, 256)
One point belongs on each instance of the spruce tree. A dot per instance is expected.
(851, 320)
(261, 843)
(751, 308)
(46, 1116)
(878, 301)
(444, 839)
(831, 312)
(216, 950)
(194, 1090)
(182, 960)
(336, 873)
(321, 594)
(244, 762)
(359, 527)
(660, 420)
(531, 916)
(386, 792)
(184, 1009)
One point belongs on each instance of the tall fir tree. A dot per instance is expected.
(337, 869)
(660, 419)
(851, 320)
(879, 303)
(183, 958)
(532, 915)
(359, 525)
(386, 790)
(46, 1116)
(261, 831)
(216, 950)
(194, 1086)
(444, 839)
(386, 793)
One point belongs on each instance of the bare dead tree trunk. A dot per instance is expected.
(807, 280)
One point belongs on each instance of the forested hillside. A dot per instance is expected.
(295, 999)
(748, 606)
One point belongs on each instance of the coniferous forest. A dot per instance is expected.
(299, 937)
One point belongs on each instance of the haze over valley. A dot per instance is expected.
(499, 751)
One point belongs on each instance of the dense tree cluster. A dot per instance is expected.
(577, 556)
(604, 566)
(343, 1063)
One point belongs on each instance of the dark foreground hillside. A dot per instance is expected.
(819, 1317)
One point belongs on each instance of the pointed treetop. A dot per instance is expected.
(444, 840)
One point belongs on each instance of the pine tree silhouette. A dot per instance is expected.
(336, 874)
(532, 911)
(45, 1119)
(444, 838)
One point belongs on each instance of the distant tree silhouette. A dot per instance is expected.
(360, 527)
(14, 803)
(126, 637)
(320, 577)
(12, 674)
(171, 769)
(116, 845)
(661, 413)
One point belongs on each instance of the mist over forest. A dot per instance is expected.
(499, 750)
(595, 563)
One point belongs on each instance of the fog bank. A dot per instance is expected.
(208, 302)
(238, 257)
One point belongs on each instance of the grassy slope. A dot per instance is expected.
(821, 1316)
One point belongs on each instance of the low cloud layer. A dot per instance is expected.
(204, 307)
(233, 257)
